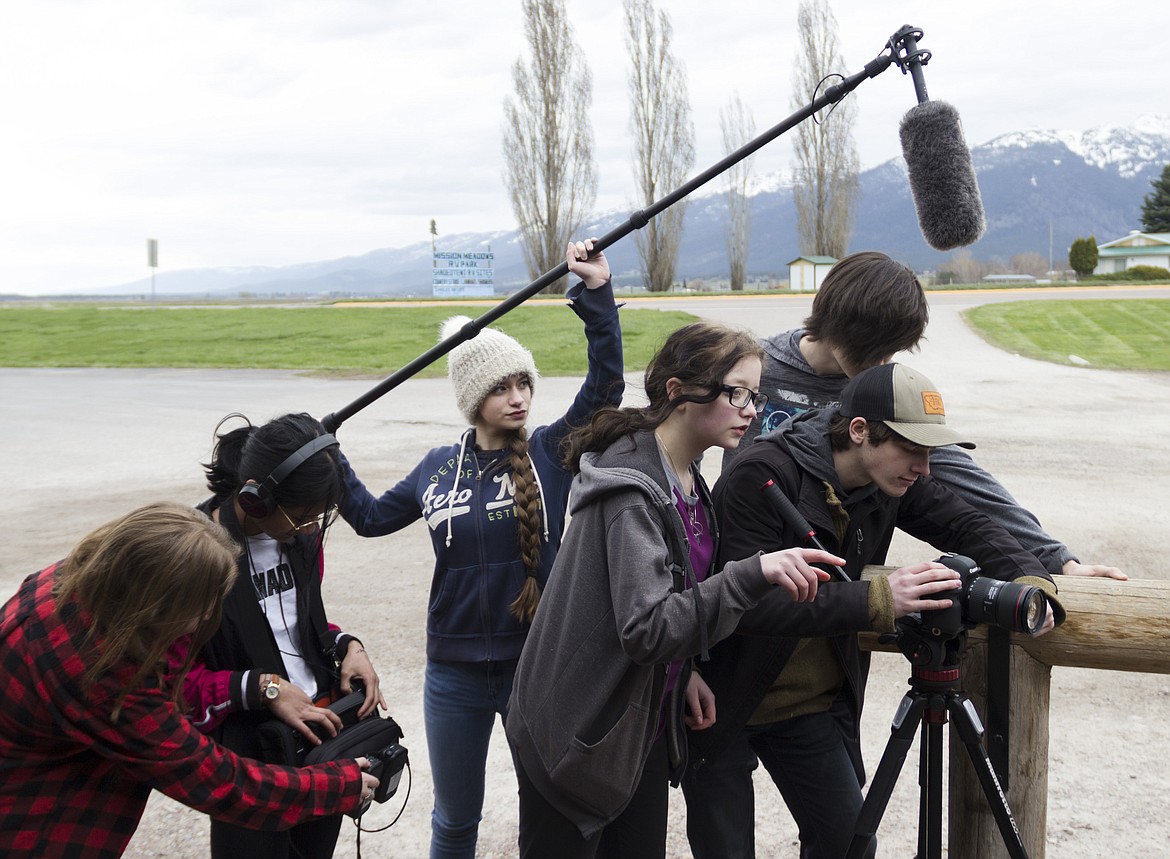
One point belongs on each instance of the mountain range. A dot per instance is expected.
(1040, 189)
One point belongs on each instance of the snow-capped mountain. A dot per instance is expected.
(1041, 189)
(1128, 150)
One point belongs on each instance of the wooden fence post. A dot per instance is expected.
(973, 832)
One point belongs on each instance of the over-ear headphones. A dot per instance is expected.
(258, 500)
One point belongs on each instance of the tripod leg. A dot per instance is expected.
(970, 729)
(923, 791)
(930, 778)
(905, 723)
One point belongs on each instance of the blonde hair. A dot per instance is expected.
(148, 578)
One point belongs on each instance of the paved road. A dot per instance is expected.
(1083, 447)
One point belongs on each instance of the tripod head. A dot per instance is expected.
(935, 655)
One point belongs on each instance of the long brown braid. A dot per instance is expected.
(529, 524)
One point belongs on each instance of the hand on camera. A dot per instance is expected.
(1048, 625)
(791, 569)
(356, 669)
(369, 787)
(594, 271)
(296, 709)
(922, 587)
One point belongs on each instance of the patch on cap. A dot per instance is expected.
(932, 403)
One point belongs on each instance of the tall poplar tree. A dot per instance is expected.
(548, 141)
(664, 148)
(738, 127)
(826, 174)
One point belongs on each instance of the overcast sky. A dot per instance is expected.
(269, 132)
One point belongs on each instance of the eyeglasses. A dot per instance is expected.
(740, 397)
(315, 523)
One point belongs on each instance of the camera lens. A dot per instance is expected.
(1020, 608)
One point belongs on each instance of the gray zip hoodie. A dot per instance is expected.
(588, 690)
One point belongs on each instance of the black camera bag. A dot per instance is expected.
(366, 737)
(374, 738)
(280, 743)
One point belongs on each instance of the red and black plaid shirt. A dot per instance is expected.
(74, 783)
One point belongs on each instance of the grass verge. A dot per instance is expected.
(333, 340)
(1131, 334)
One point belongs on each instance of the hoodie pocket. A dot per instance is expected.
(602, 775)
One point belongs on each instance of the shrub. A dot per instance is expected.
(1146, 272)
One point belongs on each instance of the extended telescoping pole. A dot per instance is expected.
(636, 221)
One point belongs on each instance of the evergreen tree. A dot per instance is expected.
(1082, 256)
(1156, 205)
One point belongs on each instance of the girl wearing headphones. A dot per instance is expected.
(494, 501)
(275, 490)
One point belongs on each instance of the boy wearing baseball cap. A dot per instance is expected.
(855, 473)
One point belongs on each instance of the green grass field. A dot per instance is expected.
(1131, 334)
(338, 340)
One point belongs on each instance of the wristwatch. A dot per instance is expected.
(271, 689)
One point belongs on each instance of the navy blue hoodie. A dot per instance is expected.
(480, 574)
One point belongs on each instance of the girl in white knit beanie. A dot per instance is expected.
(495, 503)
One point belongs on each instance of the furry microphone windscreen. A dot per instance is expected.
(942, 177)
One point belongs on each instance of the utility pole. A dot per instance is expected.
(152, 261)
(1050, 247)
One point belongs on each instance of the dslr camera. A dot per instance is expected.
(981, 599)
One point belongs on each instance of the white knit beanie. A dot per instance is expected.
(477, 365)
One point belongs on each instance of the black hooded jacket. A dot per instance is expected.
(799, 459)
(244, 640)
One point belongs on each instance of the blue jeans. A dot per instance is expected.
(460, 703)
(807, 760)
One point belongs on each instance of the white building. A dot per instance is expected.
(806, 274)
(1137, 248)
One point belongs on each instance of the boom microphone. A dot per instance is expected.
(942, 177)
(792, 518)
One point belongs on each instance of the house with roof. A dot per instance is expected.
(805, 274)
(1137, 248)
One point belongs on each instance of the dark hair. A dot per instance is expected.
(252, 453)
(876, 432)
(869, 307)
(699, 355)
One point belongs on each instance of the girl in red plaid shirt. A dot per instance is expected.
(89, 725)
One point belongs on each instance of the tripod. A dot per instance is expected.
(934, 692)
